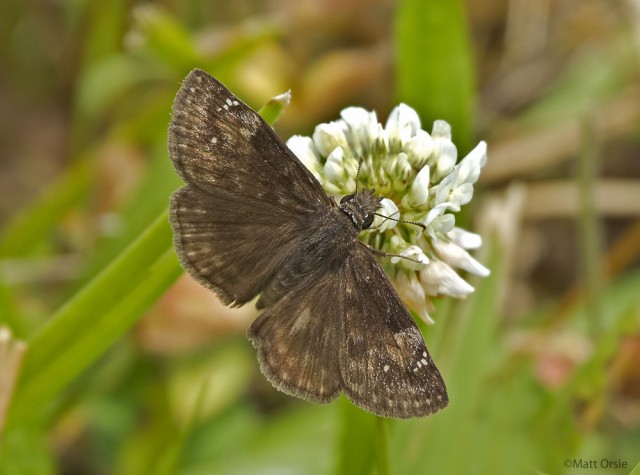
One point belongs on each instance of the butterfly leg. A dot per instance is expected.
(378, 252)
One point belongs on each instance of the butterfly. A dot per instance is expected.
(253, 221)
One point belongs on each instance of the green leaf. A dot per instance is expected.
(434, 65)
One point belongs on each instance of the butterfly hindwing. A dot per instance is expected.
(384, 362)
(343, 327)
(298, 342)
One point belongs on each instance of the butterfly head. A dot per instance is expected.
(360, 207)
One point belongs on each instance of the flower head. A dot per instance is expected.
(417, 175)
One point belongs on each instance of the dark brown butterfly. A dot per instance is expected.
(252, 220)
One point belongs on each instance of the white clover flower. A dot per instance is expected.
(387, 208)
(421, 181)
(306, 151)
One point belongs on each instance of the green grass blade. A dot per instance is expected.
(96, 317)
(434, 65)
(33, 225)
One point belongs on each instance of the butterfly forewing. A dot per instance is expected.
(248, 197)
(233, 257)
(220, 145)
(252, 220)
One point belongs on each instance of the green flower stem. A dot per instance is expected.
(357, 440)
(363, 442)
(590, 228)
(381, 451)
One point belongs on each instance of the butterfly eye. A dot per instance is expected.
(346, 198)
(368, 221)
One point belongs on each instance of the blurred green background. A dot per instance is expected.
(112, 361)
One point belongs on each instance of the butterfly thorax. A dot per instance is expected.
(360, 208)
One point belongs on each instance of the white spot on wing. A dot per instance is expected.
(386, 368)
(301, 321)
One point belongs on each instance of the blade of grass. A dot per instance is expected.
(9, 314)
(434, 65)
(31, 226)
(168, 462)
(83, 328)
(105, 330)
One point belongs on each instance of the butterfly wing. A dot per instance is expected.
(343, 327)
(298, 339)
(221, 146)
(247, 196)
(384, 362)
(247, 222)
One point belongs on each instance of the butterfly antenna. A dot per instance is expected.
(402, 221)
(358, 173)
